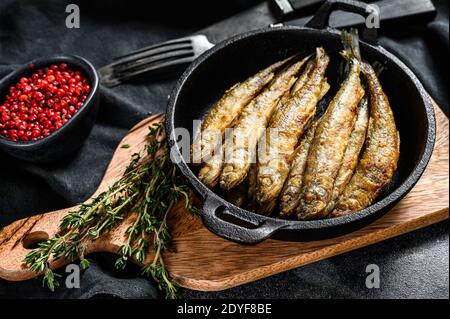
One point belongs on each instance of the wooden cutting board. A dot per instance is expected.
(204, 261)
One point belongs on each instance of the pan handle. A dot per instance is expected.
(321, 19)
(223, 221)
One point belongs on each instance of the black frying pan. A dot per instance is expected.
(235, 59)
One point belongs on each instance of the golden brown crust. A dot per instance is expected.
(285, 128)
(290, 195)
(210, 171)
(304, 77)
(328, 146)
(252, 205)
(380, 156)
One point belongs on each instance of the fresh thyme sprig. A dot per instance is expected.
(149, 188)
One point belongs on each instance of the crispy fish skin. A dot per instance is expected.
(240, 147)
(285, 128)
(298, 84)
(290, 195)
(329, 144)
(210, 171)
(380, 156)
(226, 111)
(351, 155)
(305, 76)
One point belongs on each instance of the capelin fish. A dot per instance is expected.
(352, 152)
(285, 128)
(210, 171)
(226, 111)
(290, 195)
(379, 159)
(240, 147)
(331, 139)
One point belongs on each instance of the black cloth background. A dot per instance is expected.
(29, 29)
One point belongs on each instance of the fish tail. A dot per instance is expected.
(350, 41)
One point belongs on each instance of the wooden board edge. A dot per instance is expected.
(327, 252)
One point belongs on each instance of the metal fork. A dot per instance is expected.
(164, 55)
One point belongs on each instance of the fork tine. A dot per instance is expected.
(151, 53)
(154, 57)
(111, 79)
(151, 60)
(108, 72)
(157, 45)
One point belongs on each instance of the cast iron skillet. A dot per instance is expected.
(235, 59)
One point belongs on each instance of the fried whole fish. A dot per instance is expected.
(380, 156)
(285, 128)
(240, 147)
(352, 152)
(331, 139)
(226, 111)
(290, 194)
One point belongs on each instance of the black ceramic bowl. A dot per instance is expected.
(69, 137)
(234, 60)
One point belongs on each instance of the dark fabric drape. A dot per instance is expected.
(29, 29)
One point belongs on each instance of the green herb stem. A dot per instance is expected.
(150, 187)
